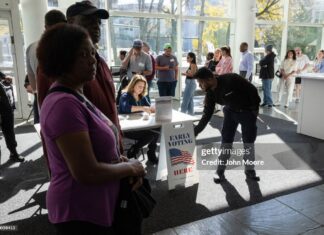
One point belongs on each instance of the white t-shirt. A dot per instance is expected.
(301, 62)
(31, 61)
(289, 65)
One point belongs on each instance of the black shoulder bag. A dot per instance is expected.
(278, 74)
(132, 207)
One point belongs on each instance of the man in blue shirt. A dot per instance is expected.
(246, 63)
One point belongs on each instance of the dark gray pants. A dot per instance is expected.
(243, 74)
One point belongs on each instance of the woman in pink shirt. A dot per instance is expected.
(225, 65)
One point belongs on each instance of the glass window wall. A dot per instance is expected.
(149, 6)
(215, 8)
(306, 11)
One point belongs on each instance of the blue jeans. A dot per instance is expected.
(165, 88)
(187, 105)
(266, 87)
(174, 86)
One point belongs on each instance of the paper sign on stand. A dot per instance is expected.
(177, 155)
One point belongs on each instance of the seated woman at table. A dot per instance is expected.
(81, 142)
(134, 100)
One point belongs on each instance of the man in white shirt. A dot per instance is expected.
(302, 65)
(246, 63)
(51, 18)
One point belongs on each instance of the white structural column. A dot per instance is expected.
(322, 44)
(244, 29)
(33, 12)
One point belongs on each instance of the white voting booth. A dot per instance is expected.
(177, 158)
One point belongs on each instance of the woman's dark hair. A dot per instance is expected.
(193, 56)
(122, 52)
(227, 49)
(294, 54)
(210, 55)
(58, 48)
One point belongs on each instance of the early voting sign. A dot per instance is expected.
(178, 147)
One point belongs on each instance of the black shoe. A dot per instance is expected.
(221, 177)
(16, 158)
(152, 157)
(269, 105)
(132, 153)
(251, 174)
(262, 105)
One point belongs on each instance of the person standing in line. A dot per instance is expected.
(137, 61)
(122, 71)
(100, 91)
(302, 65)
(167, 71)
(267, 75)
(288, 70)
(150, 77)
(187, 105)
(241, 100)
(319, 62)
(215, 61)
(83, 155)
(209, 58)
(122, 55)
(225, 65)
(52, 17)
(7, 121)
(246, 63)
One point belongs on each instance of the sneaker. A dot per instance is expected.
(251, 174)
(16, 158)
(297, 100)
(269, 105)
(262, 105)
(286, 106)
(220, 176)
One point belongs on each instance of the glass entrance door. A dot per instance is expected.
(7, 55)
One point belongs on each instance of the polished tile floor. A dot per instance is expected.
(296, 213)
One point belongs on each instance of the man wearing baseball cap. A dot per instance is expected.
(167, 71)
(241, 106)
(137, 61)
(100, 91)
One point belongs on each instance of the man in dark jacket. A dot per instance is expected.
(7, 123)
(241, 102)
(267, 75)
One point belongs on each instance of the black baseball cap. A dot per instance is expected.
(86, 8)
(203, 73)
